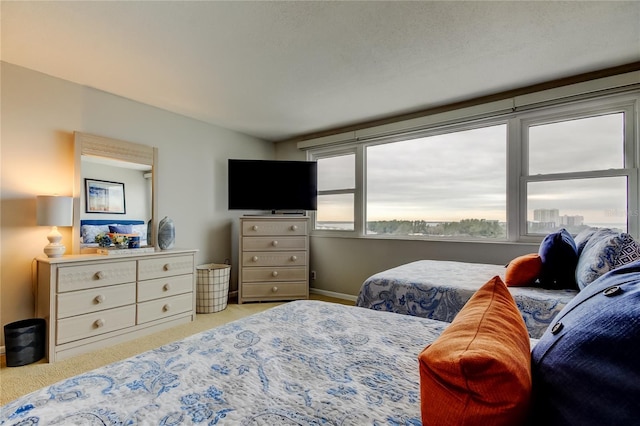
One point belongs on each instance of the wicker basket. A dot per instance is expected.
(212, 291)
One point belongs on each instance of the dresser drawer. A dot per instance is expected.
(81, 277)
(93, 324)
(95, 299)
(163, 287)
(164, 267)
(166, 307)
(274, 243)
(289, 258)
(274, 274)
(275, 227)
(274, 290)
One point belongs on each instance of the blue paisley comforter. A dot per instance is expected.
(439, 289)
(301, 363)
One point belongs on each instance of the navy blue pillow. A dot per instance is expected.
(559, 257)
(121, 229)
(585, 368)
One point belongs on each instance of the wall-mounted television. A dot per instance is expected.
(275, 185)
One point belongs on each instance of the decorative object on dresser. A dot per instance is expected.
(166, 233)
(95, 301)
(54, 211)
(274, 258)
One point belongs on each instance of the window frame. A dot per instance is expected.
(518, 120)
(573, 111)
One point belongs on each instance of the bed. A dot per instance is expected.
(439, 289)
(303, 363)
(89, 228)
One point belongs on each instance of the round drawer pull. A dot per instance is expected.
(98, 323)
(274, 243)
(99, 298)
(294, 258)
(166, 267)
(294, 227)
(274, 289)
(99, 275)
(166, 307)
(166, 287)
(274, 274)
(254, 258)
(254, 227)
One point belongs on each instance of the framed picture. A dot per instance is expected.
(102, 196)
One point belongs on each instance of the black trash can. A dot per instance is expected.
(24, 341)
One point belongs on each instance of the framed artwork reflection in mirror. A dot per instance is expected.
(104, 196)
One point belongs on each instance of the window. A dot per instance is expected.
(576, 172)
(336, 192)
(515, 176)
(451, 184)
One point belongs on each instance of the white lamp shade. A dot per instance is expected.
(52, 210)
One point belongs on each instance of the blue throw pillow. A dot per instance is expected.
(121, 229)
(585, 366)
(559, 257)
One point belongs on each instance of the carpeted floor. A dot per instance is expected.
(18, 381)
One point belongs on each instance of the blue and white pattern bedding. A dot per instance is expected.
(439, 289)
(301, 363)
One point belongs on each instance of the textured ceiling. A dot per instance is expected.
(276, 70)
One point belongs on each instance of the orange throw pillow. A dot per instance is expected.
(523, 270)
(478, 372)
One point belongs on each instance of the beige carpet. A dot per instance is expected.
(18, 381)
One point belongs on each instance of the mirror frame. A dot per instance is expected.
(100, 146)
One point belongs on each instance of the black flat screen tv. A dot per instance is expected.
(274, 185)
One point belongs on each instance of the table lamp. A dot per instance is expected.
(54, 211)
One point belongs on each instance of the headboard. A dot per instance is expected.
(110, 222)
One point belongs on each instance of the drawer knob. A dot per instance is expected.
(166, 267)
(254, 227)
(254, 258)
(99, 298)
(274, 274)
(98, 323)
(294, 258)
(294, 227)
(99, 275)
(166, 287)
(274, 289)
(274, 243)
(166, 307)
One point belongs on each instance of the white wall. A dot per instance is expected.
(40, 114)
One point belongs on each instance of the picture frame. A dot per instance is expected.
(102, 196)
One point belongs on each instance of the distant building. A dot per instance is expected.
(571, 220)
(547, 215)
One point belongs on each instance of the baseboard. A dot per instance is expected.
(333, 294)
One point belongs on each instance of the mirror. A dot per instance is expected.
(129, 168)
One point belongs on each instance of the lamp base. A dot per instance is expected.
(55, 248)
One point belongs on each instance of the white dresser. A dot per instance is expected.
(274, 258)
(94, 301)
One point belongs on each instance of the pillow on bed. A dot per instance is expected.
(582, 238)
(89, 232)
(605, 250)
(121, 229)
(140, 230)
(478, 371)
(523, 270)
(585, 366)
(559, 257)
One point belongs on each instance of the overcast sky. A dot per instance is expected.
(463, 175)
